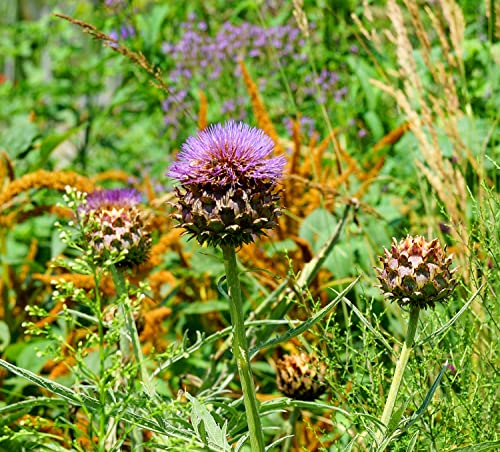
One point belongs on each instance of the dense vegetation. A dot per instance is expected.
(387, 114)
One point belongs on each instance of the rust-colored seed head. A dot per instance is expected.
(416, 272)
(300, 377)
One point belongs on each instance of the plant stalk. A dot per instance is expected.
(240, 350)
(292, 421)
(398, 372)
(129, 335)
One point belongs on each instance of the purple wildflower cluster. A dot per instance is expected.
(208, 57)
(197, 49)
(125, 30)
(323, 88)
(307, 126)
(327, 81)
(115, 4)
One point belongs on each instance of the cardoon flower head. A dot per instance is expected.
(115, 226)
(416, 272)
(228, 192)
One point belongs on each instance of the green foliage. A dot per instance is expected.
(70, 102)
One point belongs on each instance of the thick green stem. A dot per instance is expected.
(240, 350)
(290, 429)
(103, 421)
(129, 333)
(399, 371)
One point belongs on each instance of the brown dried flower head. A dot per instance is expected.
(300, 377)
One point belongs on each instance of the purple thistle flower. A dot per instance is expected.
(227, 155)
(115, 197)
(228, 192)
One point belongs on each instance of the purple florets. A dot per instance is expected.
(229, 154)
(115, 197)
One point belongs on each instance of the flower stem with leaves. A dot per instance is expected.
(240, 349)
(228, 196)
(399, 371)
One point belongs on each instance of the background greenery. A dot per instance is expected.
(69, 102)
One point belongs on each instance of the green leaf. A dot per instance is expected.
(29, 355)
(286, 403)
(11, 412)
(92, 404)
(307, 274)
(150, 25)
(450, 322)
(18, 138)
(4, 335)
(413, 441)
(62, 391)
(205, 425)
(428, 398)
(49, 143)
(202, 307)
(374, 124)
(368, 325)
(488, 445)
(364, 72)
(317, 227)
(304, 326)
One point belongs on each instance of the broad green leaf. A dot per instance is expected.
(19, 137)
(49, 144)
(205, 425)
(4, 335)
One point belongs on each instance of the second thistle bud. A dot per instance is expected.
(115, 224)
(416, 272)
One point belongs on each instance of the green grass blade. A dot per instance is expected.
(304, 326)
